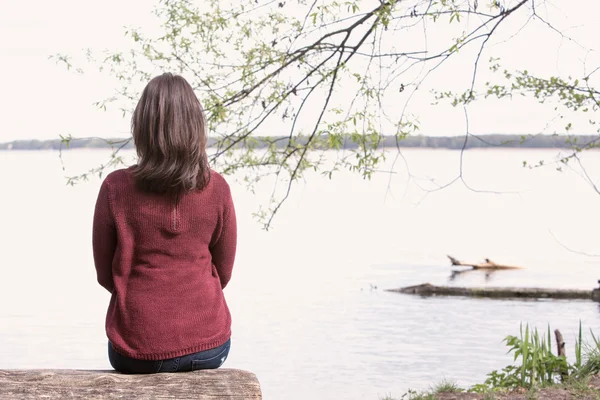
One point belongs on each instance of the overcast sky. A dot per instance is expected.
(40, 99)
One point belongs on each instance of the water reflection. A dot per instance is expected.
(456, 274)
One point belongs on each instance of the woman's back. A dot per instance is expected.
(164, 234)
(174, 255)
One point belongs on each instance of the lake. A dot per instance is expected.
(311, 316)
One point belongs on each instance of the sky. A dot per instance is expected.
(42, 100)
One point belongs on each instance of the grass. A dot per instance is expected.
(447, 387)
(533, 393)
(591, 366)
(489, 396)
(442, 387)
(579, 387)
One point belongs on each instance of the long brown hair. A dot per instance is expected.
(169, 132)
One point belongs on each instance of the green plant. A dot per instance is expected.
(578, 347)
(508, 377)
(538, 365)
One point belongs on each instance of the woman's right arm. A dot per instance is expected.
(224, 246)
(104, 238)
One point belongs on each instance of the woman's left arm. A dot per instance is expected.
(104, 238)
(224, 248)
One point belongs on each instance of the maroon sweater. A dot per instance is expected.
(165, 260)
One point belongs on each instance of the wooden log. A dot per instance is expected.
(560, 350)
(428, 289)
(219, 384)
(596, 293)
(488, 264)
(560, 344)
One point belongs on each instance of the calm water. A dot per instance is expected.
(311, 317)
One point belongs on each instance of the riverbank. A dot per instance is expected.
(585, 389)
(536, 374)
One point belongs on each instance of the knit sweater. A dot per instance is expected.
(165, 259)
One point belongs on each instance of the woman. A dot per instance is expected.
(164, 241)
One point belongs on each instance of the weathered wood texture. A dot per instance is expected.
(502, 293)
(560, 344)
(488, 264)
(221, 384)
(560, 350)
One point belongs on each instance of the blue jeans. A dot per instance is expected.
(208, 359)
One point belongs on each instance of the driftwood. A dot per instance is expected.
(560, 350)
(560, 344)
(501, 293)
(220, 384)
(488, 264)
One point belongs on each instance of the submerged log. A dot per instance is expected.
(428, 289)
(488, 264)
(219, 384)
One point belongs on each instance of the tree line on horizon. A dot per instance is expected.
(325, 143)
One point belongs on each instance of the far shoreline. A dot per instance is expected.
(483, 142)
